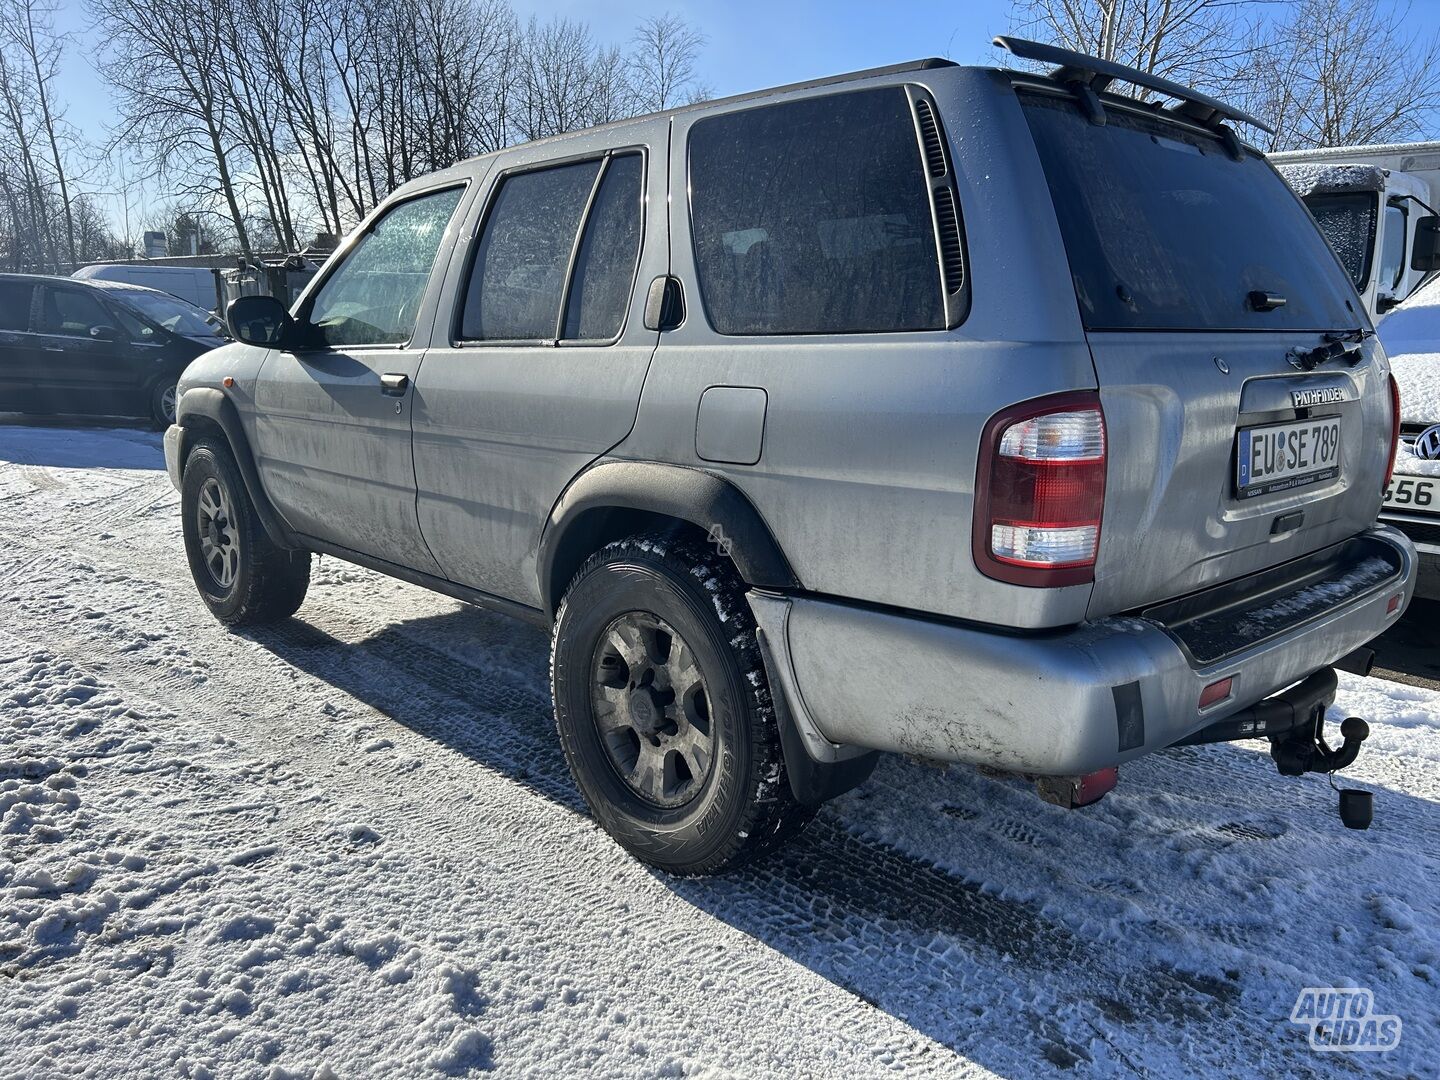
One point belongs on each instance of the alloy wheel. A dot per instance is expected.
(219, 537)
(652, 709)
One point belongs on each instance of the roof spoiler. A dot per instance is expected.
(1089, 75)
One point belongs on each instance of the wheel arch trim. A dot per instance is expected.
(200, 406)
(703, 499)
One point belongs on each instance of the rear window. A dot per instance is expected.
(15, 305)
(812, 217)
(1165, 231)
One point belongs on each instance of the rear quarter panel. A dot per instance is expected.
(868, 464)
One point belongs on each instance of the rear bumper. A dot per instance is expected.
(174, 436)
(1062, 703)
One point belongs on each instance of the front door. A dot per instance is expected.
(538, 370)
(332, 440)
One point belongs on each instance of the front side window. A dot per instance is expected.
(374, 297)
(1392, 249)
(15, 305)
(176, 315)
(812, 217)
(71, 312)
(528, 252)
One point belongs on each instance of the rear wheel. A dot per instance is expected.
(243, 577)
(162, 403)
(664, 710)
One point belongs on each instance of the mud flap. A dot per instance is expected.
(812, 782)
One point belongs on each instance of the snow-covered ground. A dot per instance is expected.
(348, 847)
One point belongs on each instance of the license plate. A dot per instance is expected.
(1413, 493)
(1282, 457)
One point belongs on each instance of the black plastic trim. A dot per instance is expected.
(812, 782)
(705, 500)
(1204, 624)
(213, 405)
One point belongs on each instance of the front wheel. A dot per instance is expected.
(664, 710)
(243, 577)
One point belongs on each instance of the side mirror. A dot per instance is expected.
(1426, 258)
(259, 320)
(1385, 302)
(105, 333)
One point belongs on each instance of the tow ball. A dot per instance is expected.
(1303, 749)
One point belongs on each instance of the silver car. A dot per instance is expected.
(972, 414)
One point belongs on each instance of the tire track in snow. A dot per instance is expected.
(934, 929)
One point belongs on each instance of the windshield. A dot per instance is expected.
(174, 314)
(1165, 231)
(1348, 222)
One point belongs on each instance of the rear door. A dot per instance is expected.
(332, 416)
(88, 364)
(1202, 282)
(538, 370)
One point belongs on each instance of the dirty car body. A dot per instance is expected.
(1001, 429)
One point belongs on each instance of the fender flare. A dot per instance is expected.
(702, 498)
(202, 404)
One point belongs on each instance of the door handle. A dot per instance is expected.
(394, 384)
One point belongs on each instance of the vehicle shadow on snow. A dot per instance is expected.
(76, 443)
(1160, 930)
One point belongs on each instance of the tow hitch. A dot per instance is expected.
(1303, 749)
(1294, 722)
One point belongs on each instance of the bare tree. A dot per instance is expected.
(567, 80)
(286, 114)
(664, 63)
(30, 27)
(167, 60)
(1342, 73)
(25, 186)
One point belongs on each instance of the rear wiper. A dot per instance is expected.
(1333, 349)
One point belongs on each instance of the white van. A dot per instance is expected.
(197, 284)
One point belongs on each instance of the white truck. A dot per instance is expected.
(1376, 206)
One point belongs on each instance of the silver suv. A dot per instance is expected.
(970, 414)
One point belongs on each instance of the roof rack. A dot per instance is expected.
(1090, 75)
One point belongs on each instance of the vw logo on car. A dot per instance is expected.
(1427, 444)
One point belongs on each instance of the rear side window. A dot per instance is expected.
(528, 253)
(15, 305)
(71, 312)
(812, 217)
(1165, 231)
(605, 264)
(519, 271)
(374, 297)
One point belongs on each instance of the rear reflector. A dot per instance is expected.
(1394, 604)
(1216, 692)
(1040, 492)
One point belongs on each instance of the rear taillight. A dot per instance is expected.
(1394, 431)
(1040, 492)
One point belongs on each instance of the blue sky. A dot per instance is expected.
(751, 43)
